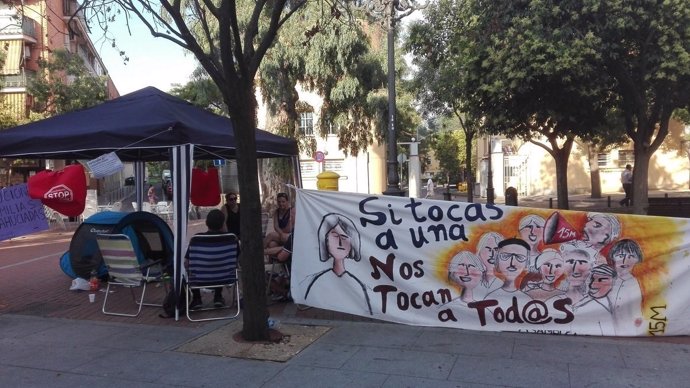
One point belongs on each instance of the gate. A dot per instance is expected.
(516, 173)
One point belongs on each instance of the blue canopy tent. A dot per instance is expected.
(145, 125)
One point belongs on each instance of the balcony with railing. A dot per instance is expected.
(21, 80)
(12, 26)
(71, 9)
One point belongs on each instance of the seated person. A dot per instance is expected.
(283, 222)
(215, 221)
(231, 209)
(283, 253)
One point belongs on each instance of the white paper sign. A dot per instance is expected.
(104, 165)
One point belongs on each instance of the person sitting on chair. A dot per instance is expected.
(215, 221)
(153, 198)
(282, 254)
(283, 222)
(231, 209)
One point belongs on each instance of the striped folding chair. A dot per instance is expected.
(212, 262)
(124, 270)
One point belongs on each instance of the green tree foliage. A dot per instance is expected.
(449, 145)
(539, 78)
(560, 68)
(645, 50)
(555, 70)
(682, 115)
(334, 60)
(67, 85)
(337, 62)
(443, 44)
(202, 92)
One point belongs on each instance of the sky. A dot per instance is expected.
(152, 61)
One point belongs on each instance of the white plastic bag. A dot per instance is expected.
(80, 284)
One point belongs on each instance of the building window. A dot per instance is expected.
(308, 168)
(332, 129)
(335, 165)
(603, 159)
(306, 123)
(507, 147)
(626, 157)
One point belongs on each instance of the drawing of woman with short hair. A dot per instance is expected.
(339, 240)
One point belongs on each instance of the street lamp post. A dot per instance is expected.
(490, 176)
(393, 183)
(390, 12)
(414, 172)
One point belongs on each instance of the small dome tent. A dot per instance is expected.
(150, 235)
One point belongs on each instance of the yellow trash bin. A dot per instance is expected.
(327, 180)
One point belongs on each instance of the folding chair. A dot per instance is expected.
(278, 268)
(275, 265)
(124, 270)
(212, 262)
(164, 211)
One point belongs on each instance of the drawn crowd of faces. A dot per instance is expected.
(594, 269)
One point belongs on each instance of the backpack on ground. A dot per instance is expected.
(174, 299)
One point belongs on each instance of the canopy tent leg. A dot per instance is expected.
(181, 174)
(139, 177)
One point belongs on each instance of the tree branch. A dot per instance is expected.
(173, 35)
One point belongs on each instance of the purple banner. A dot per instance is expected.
(19, 214)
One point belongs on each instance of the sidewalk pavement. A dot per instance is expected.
(56, 352)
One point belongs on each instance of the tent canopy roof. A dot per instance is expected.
(139, 126)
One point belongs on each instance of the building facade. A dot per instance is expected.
(362, 173)
(532, 171)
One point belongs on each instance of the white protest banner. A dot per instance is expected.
(490, 267)
(19, 214)
(104, 165)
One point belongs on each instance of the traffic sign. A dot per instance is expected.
(319, 156)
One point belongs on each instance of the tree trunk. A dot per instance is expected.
(255, 315)
(274, 172)
(561, 157)
(595, 178)
(468, 166)
(640, 194)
